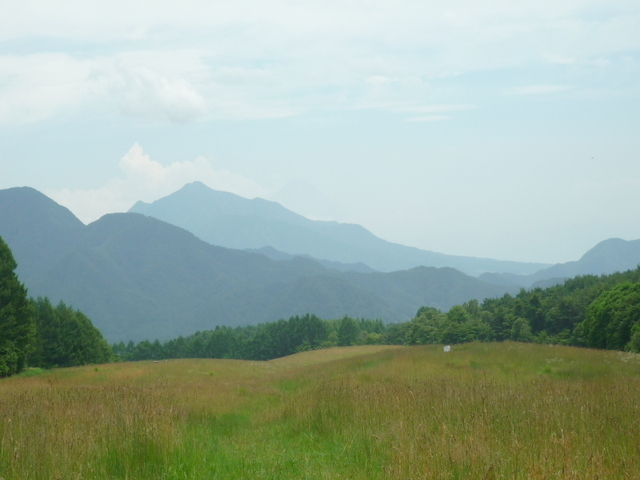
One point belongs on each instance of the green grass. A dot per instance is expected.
(31, 372)
(481, 411)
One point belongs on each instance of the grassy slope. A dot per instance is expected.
(481, 411)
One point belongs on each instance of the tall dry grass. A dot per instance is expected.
(482, 411)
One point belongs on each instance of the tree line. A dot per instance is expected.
(35, 333)
(588, 311)
(265, 341)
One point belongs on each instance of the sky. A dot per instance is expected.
(499, 129)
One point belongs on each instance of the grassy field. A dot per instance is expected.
(481, 411)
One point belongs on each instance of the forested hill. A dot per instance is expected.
(592, 311)
(588, 311)
(137, 277)
(228, 220)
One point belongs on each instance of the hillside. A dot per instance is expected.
(274, 254)
(225, 219)
(609, 256)
(38, 230)
(137, 277)
(440, 288)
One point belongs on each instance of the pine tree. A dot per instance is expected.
(66, 337)
(16, 317)
(348, 331)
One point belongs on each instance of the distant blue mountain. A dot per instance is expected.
(609, 256)
(138, 278)
(38, 230)
(227, 220)
(274, 254)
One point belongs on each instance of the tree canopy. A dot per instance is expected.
(612, 317)
(16, 317)
(66, 337)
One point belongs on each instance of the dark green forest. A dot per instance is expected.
(34, 333)
(267, 340)
(17, 326)
(587, 311)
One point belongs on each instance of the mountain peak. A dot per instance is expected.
(613, 253)
(197, 186)
(27, 201)
(228, 220)
(32, 222)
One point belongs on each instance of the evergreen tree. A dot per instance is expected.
(16, 317)
(66, 337)
(348, 331)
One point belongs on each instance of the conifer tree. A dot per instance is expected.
(16, 317)
(66, 337)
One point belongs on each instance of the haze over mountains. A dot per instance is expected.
(608, 256)
(228, 220)
(137, 277)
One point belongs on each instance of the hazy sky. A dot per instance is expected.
(504, 129)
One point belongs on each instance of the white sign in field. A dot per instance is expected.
(447, 348)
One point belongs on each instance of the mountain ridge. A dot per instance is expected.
(225, 219)
(608, 256)
(138, 277)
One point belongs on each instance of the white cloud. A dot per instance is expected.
(35, 87)
(176, 86)
(147, 180)
(429, 118)
(143, 92)
(537, 89)
(39, 86)
(253, 59)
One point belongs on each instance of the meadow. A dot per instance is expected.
(482, 411)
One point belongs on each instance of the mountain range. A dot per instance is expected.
(138, 278)
(228, 220)
(265, 227)
(608, 256)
